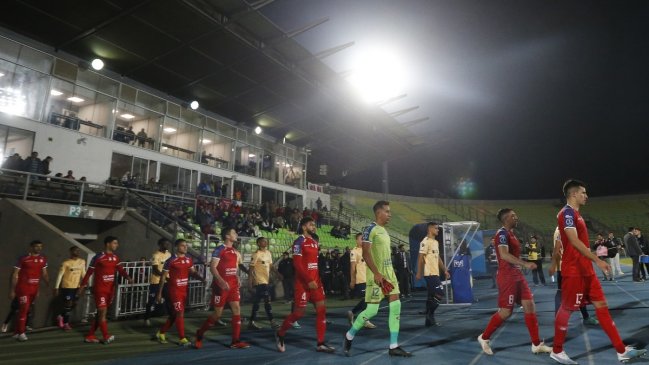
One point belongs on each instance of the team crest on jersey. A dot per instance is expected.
(503, 239)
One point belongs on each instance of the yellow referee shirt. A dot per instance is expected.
(429, 247)
(356, 255)
(70, 273)
(260, 264)
(158, 260)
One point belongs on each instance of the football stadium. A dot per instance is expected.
(324, 181)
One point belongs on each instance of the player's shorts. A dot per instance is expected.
(26, 295)
(512, 292)
(303, 295)
(262, 291)
(577, 291)
(68, 294)
(176, 300)
(103, 298)
(373, 292)
(434, 286)
(221, 297)
(359, 290)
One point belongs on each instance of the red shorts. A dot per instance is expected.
(26, 295)
(303, 294)
(220, 297)
(177, 300)
(577, 291)
(103, 298)
(512, 292)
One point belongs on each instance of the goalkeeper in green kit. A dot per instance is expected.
(381, 281)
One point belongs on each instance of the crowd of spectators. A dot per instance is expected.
(34, 165)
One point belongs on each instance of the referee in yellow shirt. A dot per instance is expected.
(157, 262)
(67, 283)
(261, 264)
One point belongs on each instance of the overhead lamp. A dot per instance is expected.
(1, 74)
(258, 130)
(97, 64)
(205, 141)
(169, 129)
(55, 93)
(76, 99)
(251, 155)
(127, 116)
(193, 105)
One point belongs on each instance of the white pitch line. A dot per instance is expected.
(589, 348)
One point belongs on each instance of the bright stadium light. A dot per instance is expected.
(258, 130)
(193, 105)
(97, 64)
(378, 75)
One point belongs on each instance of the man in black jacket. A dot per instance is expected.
(644, 250)
(285, 268)
(634, 251)
(402, 267)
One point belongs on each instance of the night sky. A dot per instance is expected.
(521, 95)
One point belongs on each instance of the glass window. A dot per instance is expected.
(36, 60)
(227, 130)
(293, 174)
(78, 108)
(192, 117)
(173, 110)
(245, 159)
(216, 150)
(137, 126)
(12, 141)
(242, 191)
(95, 81)
(269, 166)
(168, 177)
(119, 166)
(22, 91)
(180, 139)
(9, 50)
(149, 101)
(140, 170)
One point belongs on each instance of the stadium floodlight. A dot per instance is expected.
(258, 130)
(378, 75)
(97, 64)
(193, 105)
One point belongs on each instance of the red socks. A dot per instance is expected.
(180, 326)
(560, 329)
(288, 322)
(532, 324)
(93, 327)
(493, 325)
(165, 327)
(321, 323)
(236, 328)
(103, 326)
(209, 323)
(608, 326)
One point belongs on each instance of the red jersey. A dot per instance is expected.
(305, 259)
(228, 266)
(507, 238)
(178, 268)
(573, 263)
(31, 268)
(104, 265)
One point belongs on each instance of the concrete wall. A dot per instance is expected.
(20, 226)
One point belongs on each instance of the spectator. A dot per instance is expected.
(492, 261)
(633, 250)
(346, 267)
(45, 165)
(601, 250)
(69, 176)
(13, 162)
(285, 268)
(32, 164)
(644, 249)
(59, 175)
(204, 157)
(403, 270)
(534, 255)
(141, 137)
(129, 135)
(338, 274)
(324, 266)
(318, 204)
(615, 247)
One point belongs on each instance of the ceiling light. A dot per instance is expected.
(251, 155)
(193, 105)
(55, 92)
(169, 129)
(127, 116)
(76, 99)
(1, 74)
(258, 130)
(97, 64)
(206, 141)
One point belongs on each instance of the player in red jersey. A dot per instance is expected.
(225, 288)
(580, 285)
(512, 287)
(24, 284)
(308, 287)
(179, 267)
(103, 266)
